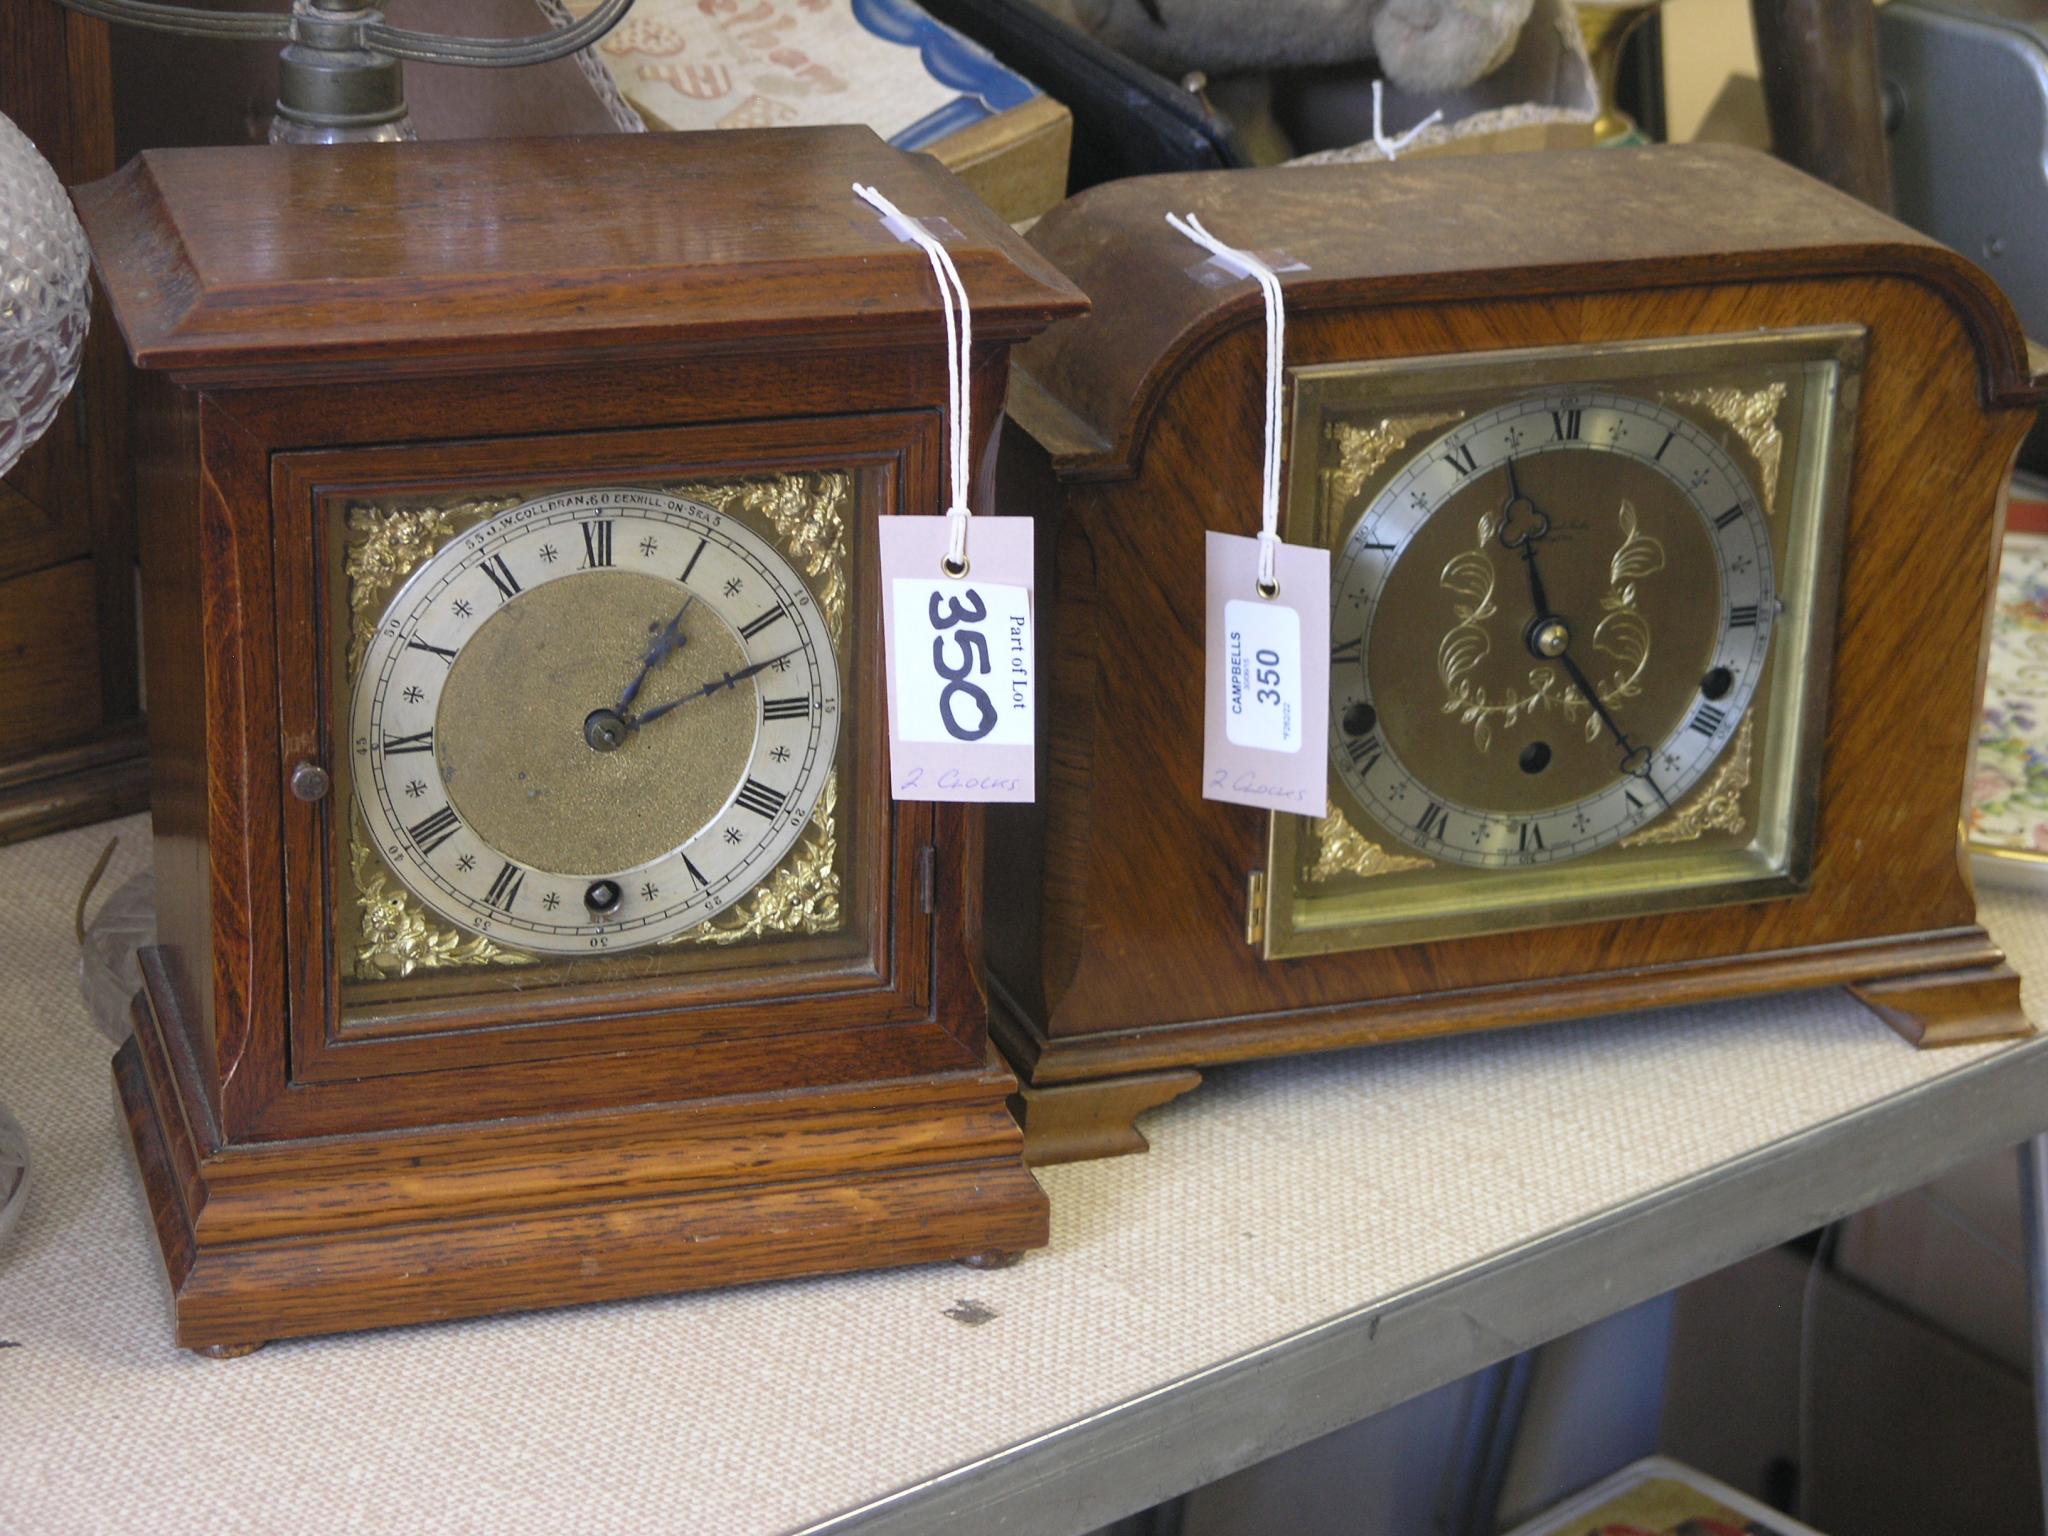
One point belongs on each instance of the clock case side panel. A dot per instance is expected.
(194, 800)
(1172, 980)
(209, 645)
(1038, 853)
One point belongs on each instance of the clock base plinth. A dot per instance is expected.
(1942, 986)
(1950, 1007)
(281, 1239)
(1074, 1122)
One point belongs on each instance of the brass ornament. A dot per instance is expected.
(1605, 26)
(1341, 849)
(1623, 632)
(1470, 575)
(387, 543)
(1362, 452)
(396, 935)
(806, 509)
(1753, 417)
(802, 896)
(1716, 806)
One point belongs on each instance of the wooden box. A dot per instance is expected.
(347, 1112)
(1126, 912)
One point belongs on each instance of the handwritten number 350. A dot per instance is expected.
(973, 658)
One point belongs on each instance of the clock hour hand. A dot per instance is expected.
(717, 685)
(666, 644)
(1525, 540)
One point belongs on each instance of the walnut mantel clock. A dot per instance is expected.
(1662, 491)
(535, 922)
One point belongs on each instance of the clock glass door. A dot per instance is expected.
(598, 734)
(596, 720)
(1580, 600)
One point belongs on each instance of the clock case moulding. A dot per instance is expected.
(1120, 962)
(670, 307)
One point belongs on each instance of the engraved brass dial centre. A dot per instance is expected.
(528, 764)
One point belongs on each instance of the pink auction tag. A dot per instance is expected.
(1266, 709)
(961, 660)
(1266, 655)
(956, 602)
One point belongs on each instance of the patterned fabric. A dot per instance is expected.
(2009, 797)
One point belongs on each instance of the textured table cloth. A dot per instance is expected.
(1276, 1196)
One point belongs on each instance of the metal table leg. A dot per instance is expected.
(2034, 1225)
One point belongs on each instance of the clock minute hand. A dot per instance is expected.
(717, 685)
(1629, 749)
(1549, 637)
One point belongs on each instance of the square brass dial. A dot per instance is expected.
(393, 950)
(1389, 463)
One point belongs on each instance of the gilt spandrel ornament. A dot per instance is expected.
(397, 934)
(1364, 449)
(1341, 849)
(1752, 414)
(1716, 806)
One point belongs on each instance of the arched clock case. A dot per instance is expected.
(1662, 490)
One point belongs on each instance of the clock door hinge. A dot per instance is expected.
(927, 879)
(1255, 908)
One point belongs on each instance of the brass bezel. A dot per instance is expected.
(1813, 503)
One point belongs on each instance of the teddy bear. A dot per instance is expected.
(1422, 45)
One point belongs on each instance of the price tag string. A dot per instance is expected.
(959, 355)
(1392, 147)
(1276, 343)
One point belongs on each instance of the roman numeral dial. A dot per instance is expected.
(598, 720)
(1550, 618)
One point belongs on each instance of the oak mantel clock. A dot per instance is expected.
(535, 923)
(1662, 490)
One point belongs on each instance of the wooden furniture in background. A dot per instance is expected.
(72, 740)
(1822, 92)
(337, 327)
(1118, 906)
(71, 745)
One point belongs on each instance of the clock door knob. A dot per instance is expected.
(310, 781)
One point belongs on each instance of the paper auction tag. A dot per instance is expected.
(1267, 687)
(961, 661)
